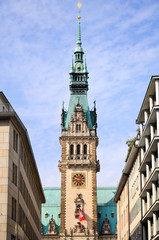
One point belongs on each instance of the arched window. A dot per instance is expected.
(78, 149)
(85, 149)
(71, 149)
(79, 127)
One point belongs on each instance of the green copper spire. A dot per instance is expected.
(79, 43)
(85, 65)
(72, 66)
(78, 86)
(79, 49)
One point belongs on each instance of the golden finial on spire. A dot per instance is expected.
(79, 4)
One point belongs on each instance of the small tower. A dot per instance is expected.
(78, 165)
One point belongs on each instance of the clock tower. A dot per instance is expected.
(79, 164)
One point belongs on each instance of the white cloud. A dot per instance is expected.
(121, 43)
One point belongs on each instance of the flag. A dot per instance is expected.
(81, 215)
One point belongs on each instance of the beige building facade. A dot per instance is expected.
(21, 192)
(128, 199)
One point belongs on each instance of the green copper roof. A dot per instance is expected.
(78, 88)
(83, 101)
(51, 207)
(105, 205)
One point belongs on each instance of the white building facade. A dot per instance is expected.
(148, 119)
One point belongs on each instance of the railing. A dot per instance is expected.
(79, 157)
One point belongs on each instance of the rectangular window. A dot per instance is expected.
(14, 208)
(14, 174)
(12, 237)
(15, 140)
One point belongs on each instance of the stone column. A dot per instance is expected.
(145, 116)
(143, 207)
(142, 153)
(142, 179)
(154, 192)
(144, 232)
(146, 143)
(157, 91)
(154, 224)
(158, 187)
(149, 229)
(148, 200)
(147, 171)
(157, 122)
(141, 128)
(157, 159)
(153, 162)
(151, 102)
(152, 132)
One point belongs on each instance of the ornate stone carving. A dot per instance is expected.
(79, 204)
(79, 228)
(106, 226)
(52, 227)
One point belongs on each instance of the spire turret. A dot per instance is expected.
(79, 42)
(78, 85)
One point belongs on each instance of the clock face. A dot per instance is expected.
(78, 179)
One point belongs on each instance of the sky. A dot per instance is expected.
(37, 39)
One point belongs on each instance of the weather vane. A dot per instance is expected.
(79, 4)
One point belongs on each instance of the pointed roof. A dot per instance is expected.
(78, 86)
(79, 42)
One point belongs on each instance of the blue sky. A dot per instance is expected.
(121, 42)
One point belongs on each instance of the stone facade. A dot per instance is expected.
(82, 163)
(141, 172)
(21, 192)
(127, 197)
(148, 119)
(79, 164)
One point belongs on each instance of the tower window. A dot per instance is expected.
(78, 149)
(112, 214)
(85, 148)
(78, 127)
(71, 149)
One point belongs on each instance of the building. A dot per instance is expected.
(106, 212)
(148, 118)
(21, 193)
(78, 166)
(127, 198)
(141, 174)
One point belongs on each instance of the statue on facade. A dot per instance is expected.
(52, 227)
(106, 226)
